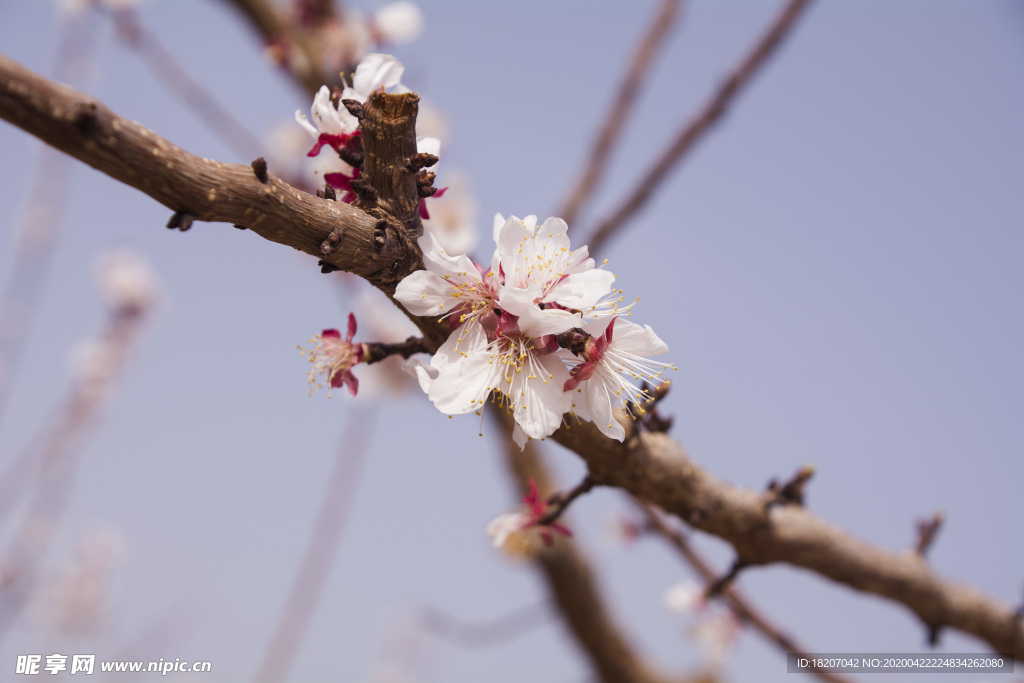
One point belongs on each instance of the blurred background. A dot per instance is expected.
(837, 268)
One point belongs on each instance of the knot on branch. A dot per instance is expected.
(790, 493)
(720, 584)
(326, 267)
(352, 152)
(328, 192)
(365, 190)
(355, 107)
(420, 160)
(86, 119)
(327, 246)
(927, 529)
(181, 220)
(259, 167)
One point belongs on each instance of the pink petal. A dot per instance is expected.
(351, 327)
(335, 140)
(331, 333)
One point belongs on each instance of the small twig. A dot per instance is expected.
(724, 581)
(259, 168)
(639, 68)
(792, 492)
(927, 529)
(321, 551)
(378, 351)
(934, 633)
(37, 233)
(484, 634)
(572, 586)
(693, 131)
(744, 610)
(180, 220)
(561, 501)
(173, 75)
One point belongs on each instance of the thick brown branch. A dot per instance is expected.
(654, 468)
(82, 127)
(639, 67)
(649, 465)
(708, 116)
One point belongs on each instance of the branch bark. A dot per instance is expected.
(656, 469)
(650, 466)
(207, 190)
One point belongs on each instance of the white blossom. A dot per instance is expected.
(399, 22)
(126, 280)
(520, 325)
(616, 354)
(684, 597)
(453, 218)
(374, 72)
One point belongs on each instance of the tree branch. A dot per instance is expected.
(82, 127)
(708, 116)
(571, 581)
(650, 466)
(654, 468)
(738, 603)
(639, 67)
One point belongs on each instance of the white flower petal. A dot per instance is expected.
(376, 71)
(425, 293)
(463, 387)
(536, 395)
(421, 371)
(428, 145)
(641, 341)
(581, 291)
(304, 122)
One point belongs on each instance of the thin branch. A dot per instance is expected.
(927, 529)
(39, 230)
(560, 502)
(55, 452)
(378, 351)
(639, 67)
(571, 582)
(708, 116)
(148, 47)
(649, 465)
(487, 633)
(348, 238)
(321, 551)
(654, 468)
(737, 602)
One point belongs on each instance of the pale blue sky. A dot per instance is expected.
(837, 271)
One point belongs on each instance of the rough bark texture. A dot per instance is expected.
(656, 469)
(342, 235)
(652, 467)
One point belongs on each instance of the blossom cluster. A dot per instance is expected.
(538, 331)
